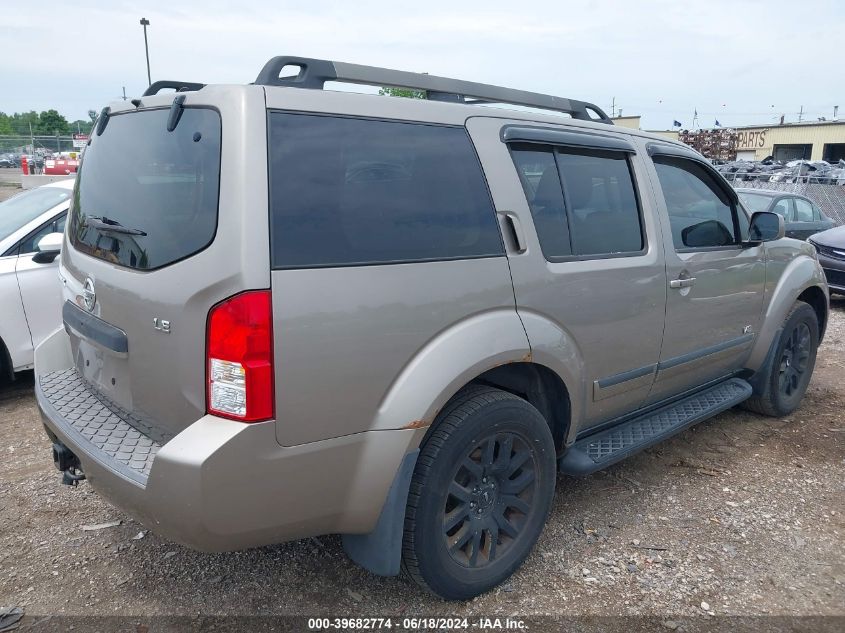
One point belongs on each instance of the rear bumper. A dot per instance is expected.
(220, 485)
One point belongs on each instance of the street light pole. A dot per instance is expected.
(145, 23)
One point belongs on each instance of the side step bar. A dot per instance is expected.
(608, 446)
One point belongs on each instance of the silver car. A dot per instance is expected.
(289, 311)
(30, 292)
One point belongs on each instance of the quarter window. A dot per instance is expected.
(347, 191)
(583, 202)
(700, 213)
(540, 181)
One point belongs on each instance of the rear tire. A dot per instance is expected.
(792, 365)
(480, 494)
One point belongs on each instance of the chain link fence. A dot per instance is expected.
(829, 198)
(17, 144)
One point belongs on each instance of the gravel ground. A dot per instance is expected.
(7, 189)
(741, 515)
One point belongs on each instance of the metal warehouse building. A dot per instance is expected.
(821, 140)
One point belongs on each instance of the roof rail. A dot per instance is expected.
(314, 73)
(178, 86)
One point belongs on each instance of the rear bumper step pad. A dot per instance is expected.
(122, 446)
(606, 447)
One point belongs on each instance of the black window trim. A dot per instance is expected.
(567, 138)
(718, 180)
(333, 115)
(673, 151)
(562, 259)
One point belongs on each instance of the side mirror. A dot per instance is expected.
(49, 248)
(706, 233)
(765, 227)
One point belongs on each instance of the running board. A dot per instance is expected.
(606, 447)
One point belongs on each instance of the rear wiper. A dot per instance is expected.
(103, 223)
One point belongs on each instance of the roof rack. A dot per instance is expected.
(178, 86)
(314, 73)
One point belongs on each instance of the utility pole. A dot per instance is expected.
(801, 114)
(31, 139)
(613, 107)
(145, 23)
(835, 112)
(124, 93)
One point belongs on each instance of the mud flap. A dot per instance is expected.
(380, 551)
(758, 380)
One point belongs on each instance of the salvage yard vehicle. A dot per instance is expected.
(830, 245)
(409, 322)
(31, 227)
(802, 216)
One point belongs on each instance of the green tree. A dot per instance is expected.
(22, 120)
(5, 123)
(51, 122)
(402, 92)
(80, 126)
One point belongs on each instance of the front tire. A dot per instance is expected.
(792, 365)
(480, 494)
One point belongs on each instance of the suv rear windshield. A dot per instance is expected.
(146, 197)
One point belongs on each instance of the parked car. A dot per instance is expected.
(831, 247)
(30, 292)
(291, 312)
(802, 216)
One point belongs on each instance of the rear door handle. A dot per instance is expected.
(515, 230)
(682, 283)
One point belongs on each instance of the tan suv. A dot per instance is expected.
(290, 311)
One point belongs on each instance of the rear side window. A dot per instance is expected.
(146, 197)
(804, 211)
(604, 216)
(346, 191)
(583, 202)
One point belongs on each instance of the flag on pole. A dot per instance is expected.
(718, 124)
(676, 124)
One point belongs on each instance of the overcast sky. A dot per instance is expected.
(738, 61)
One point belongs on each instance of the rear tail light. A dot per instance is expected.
(240, 357)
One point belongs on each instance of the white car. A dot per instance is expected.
(30, 291)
